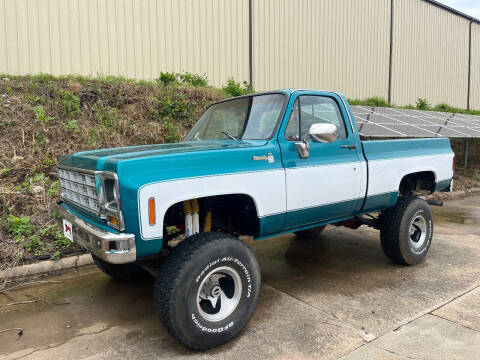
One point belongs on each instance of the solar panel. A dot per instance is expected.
(391, 122)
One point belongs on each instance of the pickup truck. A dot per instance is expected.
(287, 161)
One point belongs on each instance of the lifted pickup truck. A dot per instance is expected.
(259, 165)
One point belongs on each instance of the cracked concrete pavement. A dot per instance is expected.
(328, 298)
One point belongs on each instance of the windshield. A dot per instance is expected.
(247, 118)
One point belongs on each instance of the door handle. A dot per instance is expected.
(351, 147)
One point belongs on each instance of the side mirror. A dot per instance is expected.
(318, 132)
(323, 132)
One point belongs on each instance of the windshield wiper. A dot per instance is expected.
(230, 136)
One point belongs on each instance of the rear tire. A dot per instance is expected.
(122, 272)
(207, 289)
(406, 231)
(310, 233)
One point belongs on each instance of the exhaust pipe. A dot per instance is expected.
(435, 202)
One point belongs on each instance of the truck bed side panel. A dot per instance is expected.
(390, 160)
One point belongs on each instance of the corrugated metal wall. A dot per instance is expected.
(330, 44)
(475, 77)
(430, 54)
(133, 38)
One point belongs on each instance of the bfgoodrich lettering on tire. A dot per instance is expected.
(406, 231)
(207, 289)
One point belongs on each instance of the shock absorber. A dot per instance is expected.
(187, 210)
(207, 226)
(195, 216)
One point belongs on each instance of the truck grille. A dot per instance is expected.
(79, 188)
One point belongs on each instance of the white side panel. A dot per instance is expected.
(385, 175)
(267, 188)
(321, 185)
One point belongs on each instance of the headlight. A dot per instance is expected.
(110, 204)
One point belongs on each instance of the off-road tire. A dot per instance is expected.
(395, 230)
(182, 274)
(310, 233)
(121, 272)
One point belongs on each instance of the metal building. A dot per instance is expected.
(396, 49)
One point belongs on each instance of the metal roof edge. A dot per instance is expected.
(453, 11)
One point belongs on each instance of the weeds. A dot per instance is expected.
(19, 226)
(40, 115)
(71, 125)
(234, 88)
(186, 78)
(193, 79)
(36, 243)
(106, 116)
(4, 171)
(167, 78)
(422, 104)
(70, 103)
(372, 101)
(54, 190)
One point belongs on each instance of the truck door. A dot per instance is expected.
(327, 184)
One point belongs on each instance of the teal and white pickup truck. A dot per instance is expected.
(260, 165)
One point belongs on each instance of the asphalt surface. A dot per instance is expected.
(328, 298)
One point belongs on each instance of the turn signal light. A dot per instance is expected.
(113, 220)
(151, 211)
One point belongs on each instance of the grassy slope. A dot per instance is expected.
(43, 117)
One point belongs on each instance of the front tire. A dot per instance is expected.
(407, 230)
(207, 289)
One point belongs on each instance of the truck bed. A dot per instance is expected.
(388, 161)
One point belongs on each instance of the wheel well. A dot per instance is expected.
(233, 213)
(423, 181)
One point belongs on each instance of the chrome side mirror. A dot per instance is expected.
(323, 132)
(318, 132)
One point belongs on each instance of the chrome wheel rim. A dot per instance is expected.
(219, 294)
(418, 232)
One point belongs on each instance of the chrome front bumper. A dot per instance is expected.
(110, 247)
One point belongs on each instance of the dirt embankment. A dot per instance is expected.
(43, 117)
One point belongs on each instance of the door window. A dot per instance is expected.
(311, 109)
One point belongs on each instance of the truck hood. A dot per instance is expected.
(107, 159)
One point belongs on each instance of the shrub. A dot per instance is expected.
(422, 104)
(173, 105)
(234, 88)
(167, 78)
(193, 79)
(171, 133)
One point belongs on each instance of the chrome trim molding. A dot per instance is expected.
(110, 247)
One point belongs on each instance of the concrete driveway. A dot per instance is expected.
(334, 297)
